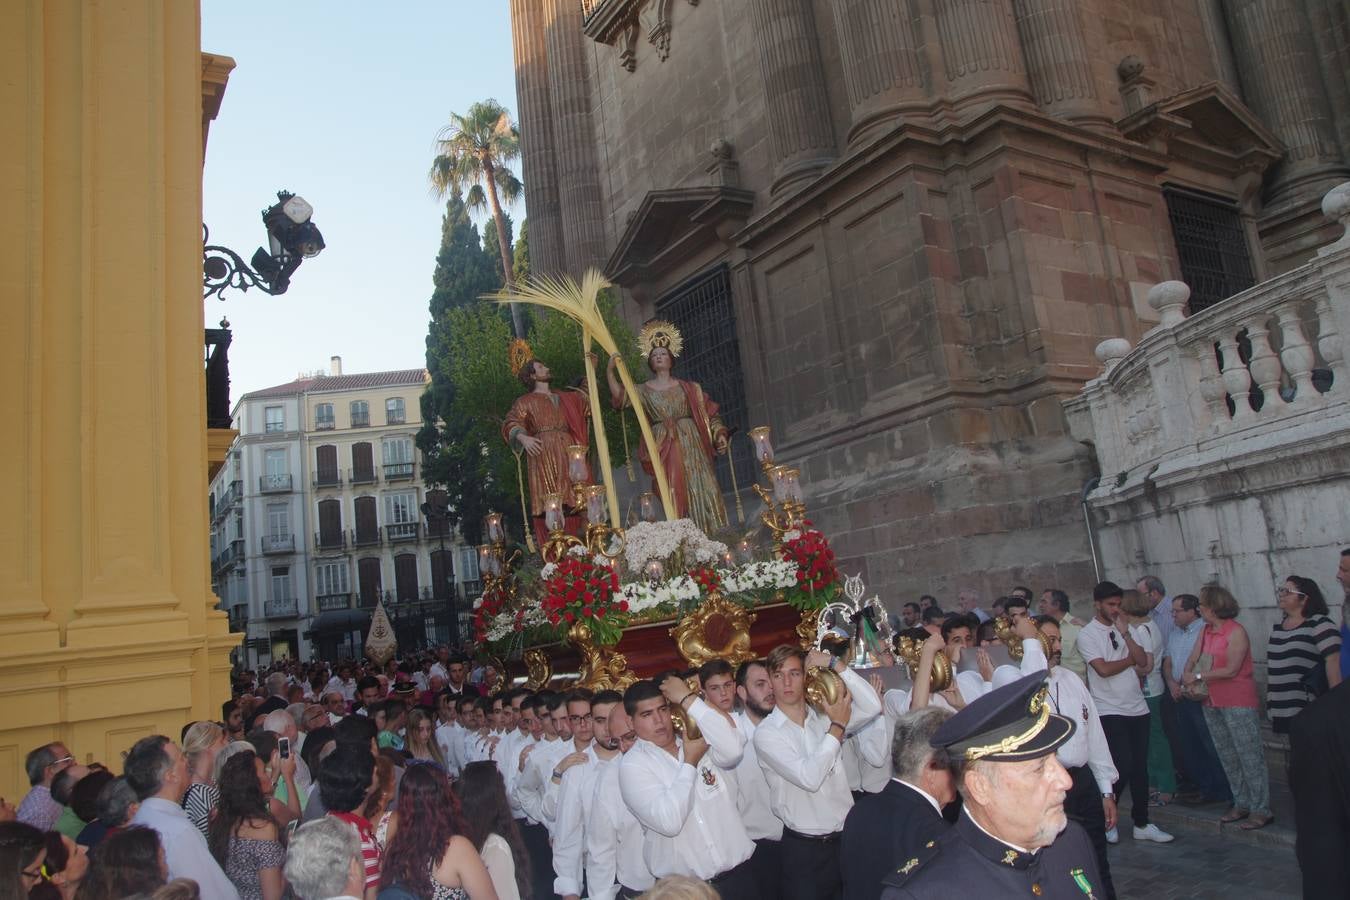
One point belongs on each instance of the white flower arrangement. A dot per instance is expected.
(758, 575)
(504, 624)
(647, 541)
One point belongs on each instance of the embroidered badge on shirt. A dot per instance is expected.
(709, 777)
(1085, 712)
(1010, 857)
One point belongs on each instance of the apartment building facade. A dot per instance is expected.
(317, 514)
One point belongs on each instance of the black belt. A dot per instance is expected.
(818, 838)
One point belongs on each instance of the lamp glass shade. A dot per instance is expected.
(595, 504)
(647, 506)
(779, 476)
(554, 520)
(577, 470)
(493, 526)
(759, 437)
(654, 570)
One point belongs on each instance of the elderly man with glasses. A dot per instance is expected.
(43, 765)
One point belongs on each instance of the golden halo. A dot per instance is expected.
(659, 333)
(519, 353)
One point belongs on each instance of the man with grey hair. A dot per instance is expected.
(885, 829)
(1159, 604)
(280, 723)
(968, 601)
(42, 765)
(323, 861)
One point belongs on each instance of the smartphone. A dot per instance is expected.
(284, 747)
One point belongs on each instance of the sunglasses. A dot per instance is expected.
(1115, 645)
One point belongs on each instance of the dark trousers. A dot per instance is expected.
(1083, 804)
(535, 839)
(811, 867)
(1127, 736)
(767, 866)
(1171, 728)
(738, 884)
(1202, 760)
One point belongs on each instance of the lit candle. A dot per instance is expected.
(778, 475)
(577, 470)
(654, 571)
(744, 550)
(595, 504)
(792, 487)
(554, 520)
(647, 505)
(485, 560)
(760, 438)
(728, 560)
(495, 533)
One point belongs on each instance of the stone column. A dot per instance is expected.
(981, 52)
(882, 69)
(800, 134)
(574, 146)
(1276, 58)
(1220, 47)
(537, 164)
(1057, 58)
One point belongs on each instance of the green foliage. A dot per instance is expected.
(463, 268)
(492, 247)
(521, 252)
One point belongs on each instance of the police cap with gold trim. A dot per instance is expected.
(1008, 724)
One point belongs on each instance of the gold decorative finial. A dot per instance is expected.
(660, 333)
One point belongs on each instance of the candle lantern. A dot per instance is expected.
(759, 438)
(778, 476)
(654, 571)
(578, 472)
(792, 487)
(554, 520)
(493, 526)
(744, 551)
(596, 513)
(647, 506)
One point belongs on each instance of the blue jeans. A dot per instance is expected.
(1202, 760)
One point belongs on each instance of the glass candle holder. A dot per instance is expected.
(487, 560)
(744, 550)
(759, 438)
(493, 526)
(647, 506)
(778, 475)
(654, 571)
(728, 560)
(554, 520)
(596, 512)
(792, 487)
(578, 472)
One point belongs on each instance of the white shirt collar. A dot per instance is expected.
(976, 823)
(932, 801)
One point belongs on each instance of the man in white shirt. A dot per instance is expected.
(447, 731)
(539, 762)
(799, 749)
(1091, 802)
(968, 601)
(343, 683)
(754, 690)
(685, 802)
(615, 863)
(576, 791)
(157, 771)
(577, 709)
(1114, 660)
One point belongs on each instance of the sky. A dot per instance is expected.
(340, 102)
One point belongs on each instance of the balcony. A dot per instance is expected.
(398, 471)
(368, 600)
(274, 484)
(336, 540)
(360, 420)
(362, 538)
(406, 531)
(362, 476)
(230, 554)
(278, 543)
(328, 479)
(437, 528)
(325, 424)
(331, 602)
(283, 608)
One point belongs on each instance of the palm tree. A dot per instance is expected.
(472, 153)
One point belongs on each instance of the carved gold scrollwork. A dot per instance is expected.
(600, 669)
(538, 669)
(806, 628)
(718, 629)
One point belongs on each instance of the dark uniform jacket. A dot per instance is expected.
(881, 832)
(967, 862)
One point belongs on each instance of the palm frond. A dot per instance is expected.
(476, 198)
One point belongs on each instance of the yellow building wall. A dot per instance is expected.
(106, 626)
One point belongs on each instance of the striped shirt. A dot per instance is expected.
(370, 850)
(198, 802)
(1291, 655)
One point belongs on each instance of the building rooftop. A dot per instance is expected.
(356, 382)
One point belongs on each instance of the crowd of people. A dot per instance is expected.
(433, 778)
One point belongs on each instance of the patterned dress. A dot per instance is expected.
(247, 857)
(685, 452)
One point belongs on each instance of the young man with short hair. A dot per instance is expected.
(754, 690)
(576, 788)
(615, 865)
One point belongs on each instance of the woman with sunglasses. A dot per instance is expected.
(1304, 652)
(1231, 709)
(23, 851)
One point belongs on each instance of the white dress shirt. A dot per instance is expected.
(752, 789)
(508, 763)
(529, 786)
(185, 849)
(692, 825)
(1070, 698)
(614, 841)
(551, 792)
(572, 810)
(808, 787)
(346, 688)
(447, 737)
(726, 742)
(867, 756)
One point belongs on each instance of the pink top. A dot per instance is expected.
(1240, 690)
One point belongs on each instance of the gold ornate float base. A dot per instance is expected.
(601, 669)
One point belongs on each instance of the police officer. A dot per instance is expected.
(1013, 838)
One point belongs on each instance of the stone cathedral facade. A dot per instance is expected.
(895, 230)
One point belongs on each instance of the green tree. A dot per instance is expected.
(490, 244)
(522, 253)
(463, 270)
(473, 153)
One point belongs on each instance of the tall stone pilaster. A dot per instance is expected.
(1220, 46)
(1276, 58)
(1057, 58)
(981, 52)
(882, 68)
(535, 115)
(800, 136)
(574, 144)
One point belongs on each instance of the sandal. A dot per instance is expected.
(1234, 815)
(1258, 822)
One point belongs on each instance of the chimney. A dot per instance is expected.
(335, 365)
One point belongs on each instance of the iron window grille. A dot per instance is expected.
(1211, 246)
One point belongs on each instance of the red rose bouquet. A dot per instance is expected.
(817, 575)
(579, 589)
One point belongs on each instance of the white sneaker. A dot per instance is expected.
(1153, 833)
(1113, 836)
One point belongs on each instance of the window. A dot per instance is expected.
(398, 457)
(323, 417)
(367, 523)
(330, 525)
(278, 520)
(393, 411)
(281, 584)
(363, 463)
(275, 419)
(368, 577)
(360, 414)
(326, 466)
(1211, 246)
(400, 509)
(331, 578)
(276, 474)
(440, 578)
(405, 576)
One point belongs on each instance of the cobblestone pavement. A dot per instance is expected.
(1199, 866)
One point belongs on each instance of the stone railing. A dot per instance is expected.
(1264, 366)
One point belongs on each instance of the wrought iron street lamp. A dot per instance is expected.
(292, 237)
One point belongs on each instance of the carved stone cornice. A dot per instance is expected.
(618, 23)
(1207, 125)
(671, 224)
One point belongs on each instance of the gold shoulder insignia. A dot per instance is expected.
(1010, 857)
(908, 867)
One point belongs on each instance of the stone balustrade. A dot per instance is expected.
(1231, 379)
